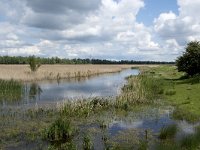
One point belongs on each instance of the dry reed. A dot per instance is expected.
(23, 72)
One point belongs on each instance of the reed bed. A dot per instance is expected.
(141, 89)
(10, 90)
(23, 72)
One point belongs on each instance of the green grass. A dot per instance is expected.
(60, 131)
(180, 91)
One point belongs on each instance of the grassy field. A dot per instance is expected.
(23, 73)
(180, 91)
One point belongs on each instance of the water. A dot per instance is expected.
(107, 85)
(53, 91)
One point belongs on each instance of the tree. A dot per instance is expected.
(189, 62)
(34, 64)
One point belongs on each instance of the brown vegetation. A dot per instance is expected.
(23, 73)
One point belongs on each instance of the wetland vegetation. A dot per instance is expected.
(156, 109)
(110, 123)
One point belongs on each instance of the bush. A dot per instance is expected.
(189, 62)
(34, 64)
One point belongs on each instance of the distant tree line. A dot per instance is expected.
(56, 60)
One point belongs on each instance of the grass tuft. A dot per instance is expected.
(60, 131)
(168, 132)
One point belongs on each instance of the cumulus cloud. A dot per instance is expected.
(106, 29)
(177, 30)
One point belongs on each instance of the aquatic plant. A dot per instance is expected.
(189, 141)
(168, 132)
(60, 131)
(87, 143)
(141, 89)
(10, 90)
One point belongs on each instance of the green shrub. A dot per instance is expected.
(34, 64)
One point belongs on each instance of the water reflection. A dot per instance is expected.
(53, 91)
(34, 92)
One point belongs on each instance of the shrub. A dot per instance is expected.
(34, 64)
(189, 62)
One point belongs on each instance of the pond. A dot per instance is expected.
(53, 91)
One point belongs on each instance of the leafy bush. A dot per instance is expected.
(34, 64)
(189, 62)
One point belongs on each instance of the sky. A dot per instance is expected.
(156, 30)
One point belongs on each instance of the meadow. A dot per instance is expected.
(180, 91)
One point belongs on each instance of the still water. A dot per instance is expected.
(53, 91)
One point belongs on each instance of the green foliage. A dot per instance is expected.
(189, 62)
(168, 132)
(34, 64)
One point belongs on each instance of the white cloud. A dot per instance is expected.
(177, 30)
(106, 29)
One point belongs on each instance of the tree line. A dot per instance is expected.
(57, 60)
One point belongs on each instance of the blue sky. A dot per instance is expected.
(140, 29)
(153, 8)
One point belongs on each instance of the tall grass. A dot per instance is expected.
(60, 131)
(168, 132)
(10, 90)
(141, 89)
(87, 143)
